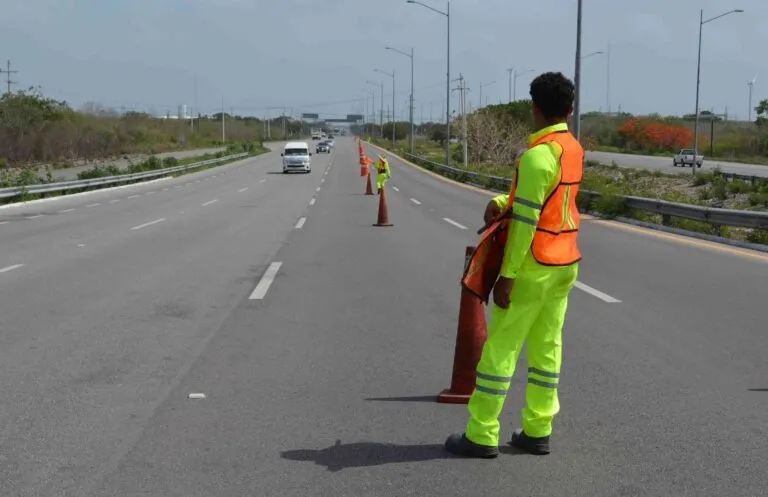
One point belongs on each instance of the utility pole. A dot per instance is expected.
(463, 109)
(223, 125)
(510, 71)
(8, 72)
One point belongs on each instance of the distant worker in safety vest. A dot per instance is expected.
(383, 173)
(528, 258)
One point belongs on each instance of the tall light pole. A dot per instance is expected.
(702, 22)
(514, 84)
(392, 75)
(511, 71)
(447, 15)
(577, 78)
(411, 108)
(481, 91)
(608, 79)
(381, 108)
(751, 85)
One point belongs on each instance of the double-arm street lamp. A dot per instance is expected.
(447, 15)
(392, 75)
(702, 22)
(411, 106)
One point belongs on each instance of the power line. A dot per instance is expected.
(8, 71)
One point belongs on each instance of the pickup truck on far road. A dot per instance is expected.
(685, 158)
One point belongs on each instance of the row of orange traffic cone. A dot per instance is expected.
(471, 332)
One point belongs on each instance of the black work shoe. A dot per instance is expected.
(536, 446)
(460, 445)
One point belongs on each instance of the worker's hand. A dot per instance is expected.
(501, 291)
(491, 212)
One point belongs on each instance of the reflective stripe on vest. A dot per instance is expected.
(554, 243)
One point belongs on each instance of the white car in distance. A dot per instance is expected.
(296, 157)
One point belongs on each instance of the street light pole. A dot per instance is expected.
(577, 78)
(411, 99)
(481, 91)
(392, 75)
(510, 71)
(702, 22)
(447, 15)
(381, 108)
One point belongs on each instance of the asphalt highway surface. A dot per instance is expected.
(241, 332)
(665, 164)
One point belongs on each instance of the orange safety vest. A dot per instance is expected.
(554, 243)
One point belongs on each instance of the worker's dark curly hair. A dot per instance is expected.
(553, 94)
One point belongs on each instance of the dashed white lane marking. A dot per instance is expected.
(198, 181)
(10, 268)
(165, 189)
(266, 281)
(415, 201)
(195, 396)
(93, 205)
(134, 196)
(262, 181)
(3, 222)
(241, 190)
(148, 224)
(210, 202)
(64, 211)
(312, 202)
(596, 293)
(322, 180)
(317, 189)
(114, 201)
(34, 217)
(451, 221)
(396, 188)
(150, 193)
(301, 222)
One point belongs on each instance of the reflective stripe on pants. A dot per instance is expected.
(536, 313)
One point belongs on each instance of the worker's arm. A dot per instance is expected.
(538, 172)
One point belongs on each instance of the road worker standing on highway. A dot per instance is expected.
(530, 244)
(384, 173)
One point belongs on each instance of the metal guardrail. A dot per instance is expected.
(715, 216)
(17, 191)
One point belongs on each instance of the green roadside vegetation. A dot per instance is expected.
(23, 177)
(706, 188)
(37, 130)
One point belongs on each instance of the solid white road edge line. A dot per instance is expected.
(64, 211)
(300, 223)
(148, 224)
(415, 201)
(210, 202)
(451, 221)
(93, 205)
(134, 196)
(266, 281)
(11, 268)
(596, 293)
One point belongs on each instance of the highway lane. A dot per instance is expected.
(322, 383)
(103, 307)
(318, 341)
(665, 164)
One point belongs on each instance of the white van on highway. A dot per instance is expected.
(296, 157)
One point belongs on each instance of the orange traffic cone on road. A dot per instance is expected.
(369, 187)
(470, 338)
(383, 213)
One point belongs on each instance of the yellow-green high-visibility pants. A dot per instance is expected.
(381, 180)
(536, 313)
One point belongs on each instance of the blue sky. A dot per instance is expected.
(316, 56)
